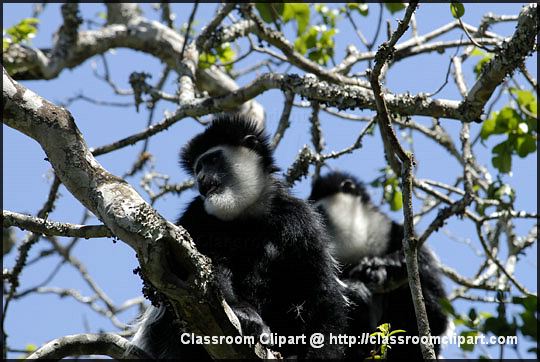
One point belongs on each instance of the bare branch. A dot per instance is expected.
(138, 33)
(107, 344)
(393, 147)
(284, 119)
(45, 227)
(122, 13)
(279, 41)
(501, 267)
(508, 58)
(456, 277)
(202, 41)
(24, 249)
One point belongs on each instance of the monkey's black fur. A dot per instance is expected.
(394, 307)
(274, 267)
(230, 131)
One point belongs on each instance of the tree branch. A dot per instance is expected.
(279, 41)
(107, 344)
(46, 227)
(393, 147)
(509, 56)
(133, 32)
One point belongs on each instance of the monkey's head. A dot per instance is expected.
(335, 183)
(232, 163)
(356, 228)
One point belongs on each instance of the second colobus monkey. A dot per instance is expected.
(368, 244)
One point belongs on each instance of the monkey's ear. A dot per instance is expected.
(348, 186)
(250, 141)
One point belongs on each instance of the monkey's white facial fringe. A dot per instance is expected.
(243, 194)
(357, 230)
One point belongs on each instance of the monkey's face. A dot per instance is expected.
(230, 179)
(212, 172)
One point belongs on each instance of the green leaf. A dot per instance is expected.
(300, 45)
(384, 328)
(307, 40)
(457, 10)
(507, 120)
(526, 99)
(468, 345)
(22, 31)
(477, 52)
(395, 7)
(503, 162)
(447, 307)
(524, 145)
(529, 302)
(30, 347)
(5, 44)
(459, 321)
(362, 8)
(311, 38)
(504, 190)
(472, 315)
(224, 53)
(485, 315)
(298, 11)
(397, 201)
(486, 58)
(270, 12)
(396, 332)
(488, 127)
(206, 60)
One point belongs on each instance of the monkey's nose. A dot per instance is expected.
(206, 185)
(201, 178)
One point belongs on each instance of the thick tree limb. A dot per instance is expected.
(308, 87)
(46, 227)
(187, 284)
(125, 30)
(106, 344)
(509, 56)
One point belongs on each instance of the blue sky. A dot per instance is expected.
(27, 177)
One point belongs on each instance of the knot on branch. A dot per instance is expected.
(69, 31)
(137, 80)
(385, 52)
(300, 167)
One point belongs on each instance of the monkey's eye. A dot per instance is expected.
(212, 159)
(347, 186)
(250, 141)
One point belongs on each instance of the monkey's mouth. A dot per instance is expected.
(209, 188)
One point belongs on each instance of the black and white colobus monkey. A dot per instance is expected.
(368, 244)
(270, 249)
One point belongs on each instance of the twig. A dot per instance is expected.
(45, 227)
(507, 59)
(24, 249)
(501, 267)
(190, 23)
(284, 120)
(392, 148)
